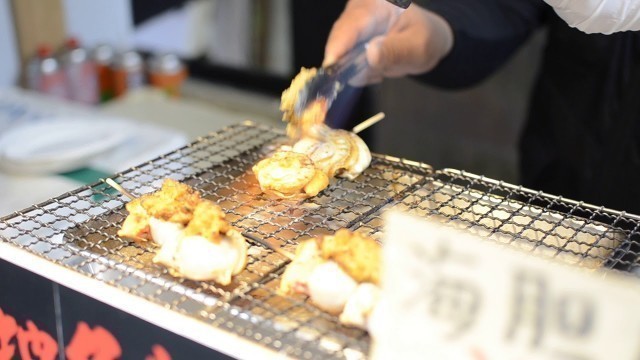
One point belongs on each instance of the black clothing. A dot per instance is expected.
(582, 136)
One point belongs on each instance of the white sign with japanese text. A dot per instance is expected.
(450, 295)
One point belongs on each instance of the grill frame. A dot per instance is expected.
(77, 230)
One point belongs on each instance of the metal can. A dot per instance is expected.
(167, 72)
(104, 56)
(80, 73)
(44, 73)
(128, 72)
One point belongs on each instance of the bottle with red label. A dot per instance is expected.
(44, 73)
(104, 56)
(80, 73)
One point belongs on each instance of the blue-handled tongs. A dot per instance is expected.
(330, 80)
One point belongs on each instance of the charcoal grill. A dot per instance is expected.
(78, 230)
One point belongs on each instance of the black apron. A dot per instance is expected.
(582, 136)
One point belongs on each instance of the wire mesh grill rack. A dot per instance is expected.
(78, 230)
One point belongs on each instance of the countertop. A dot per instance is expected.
(173, 122)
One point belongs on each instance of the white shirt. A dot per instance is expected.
(599, 16)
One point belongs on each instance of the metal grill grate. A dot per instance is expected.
(573, 232)
(78, 230)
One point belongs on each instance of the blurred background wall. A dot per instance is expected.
(9, 63)
(100, 21)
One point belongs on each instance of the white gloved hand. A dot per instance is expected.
(401, 43)
(599, 16)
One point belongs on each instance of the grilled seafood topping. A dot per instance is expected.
(208, 221)
(301, 126)
(174, 202)
(358, 255)
(136, 225)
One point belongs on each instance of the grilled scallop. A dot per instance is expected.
(327, 285)
(360, 162)
(319, 154)
(360, 305)
(163, 231)
(288, 174)
(199, 258)
(337, 152)
(305, 169)
(295, 279)
(207, 249)
(339, 273)
(330, 287)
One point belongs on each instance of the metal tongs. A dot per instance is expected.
(330, 80)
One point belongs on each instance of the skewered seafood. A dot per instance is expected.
(303, 125)
(194, 238)
(295, 278)
(207, 249)
(173, 203)
(334, 152)
(360, 305)
(340, 273)
(288, 174)
(337, 152)
(330, 287)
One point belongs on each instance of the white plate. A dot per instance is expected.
(59, 144)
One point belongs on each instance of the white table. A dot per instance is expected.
(164, 124)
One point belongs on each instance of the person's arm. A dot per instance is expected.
(486, 33)
(398, 43)
(455, 42)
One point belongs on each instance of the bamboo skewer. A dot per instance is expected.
(120, 189)
(368, 123)
(266, 243)
(289, 255)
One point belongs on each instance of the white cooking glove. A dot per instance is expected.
(400, 42)
(599, 16)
